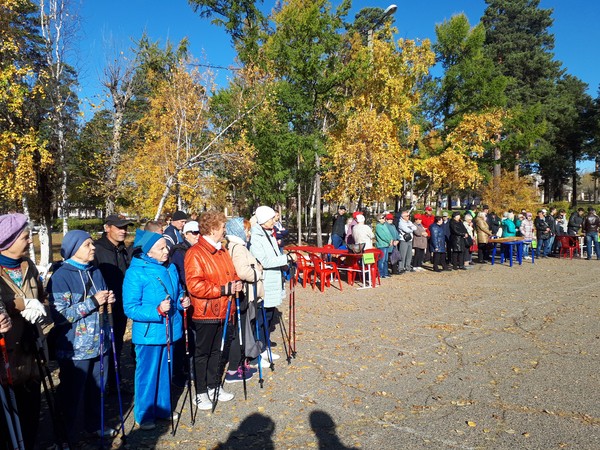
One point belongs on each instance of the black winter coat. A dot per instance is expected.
(457, 235)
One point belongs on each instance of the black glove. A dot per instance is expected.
(227, 289)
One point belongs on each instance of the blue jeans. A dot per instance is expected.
(589, 238)
(542, 247)
(337, 240)
(549, 245)
(382, 264)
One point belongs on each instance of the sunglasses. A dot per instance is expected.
(195, 233)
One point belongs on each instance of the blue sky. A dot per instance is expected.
(106, 25)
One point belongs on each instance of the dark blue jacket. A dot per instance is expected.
(75, 312)
(437, 243)
(173, 236)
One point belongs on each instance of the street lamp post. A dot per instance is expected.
(388, 12)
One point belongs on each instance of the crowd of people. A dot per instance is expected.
(451, 240)
(191, 289)
(181, 286)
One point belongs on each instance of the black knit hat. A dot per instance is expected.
(179, 215)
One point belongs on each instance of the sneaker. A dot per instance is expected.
(203, 402)
(224, 396)
(237, 376)
(265, 355)
(264, 363)
(175, 417)
(249, 371)
(108, 432)
(146, 426)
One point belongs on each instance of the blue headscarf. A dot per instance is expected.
(235, 227)
(145, 240)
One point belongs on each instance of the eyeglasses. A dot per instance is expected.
(195, 233)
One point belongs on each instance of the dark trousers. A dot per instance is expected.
(457, 259)
(28, 398)
(120, 324)
(483, 252)
(419, 257)
(79, 392)
(439, 258)
(207, 354)
(263, 327)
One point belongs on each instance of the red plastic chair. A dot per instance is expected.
(568, 244)
(351, 264)
(324, 271)
(304, 267)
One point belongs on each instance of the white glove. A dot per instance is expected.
(34, 310)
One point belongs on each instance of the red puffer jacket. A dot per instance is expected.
(207, 270)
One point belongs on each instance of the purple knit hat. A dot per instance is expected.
(11, 227)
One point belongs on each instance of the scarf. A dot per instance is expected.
(10, 263)
(78, 265)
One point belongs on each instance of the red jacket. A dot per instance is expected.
(426, 221)
(207, 270)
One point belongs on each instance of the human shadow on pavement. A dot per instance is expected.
(255, 431)
(324, 428)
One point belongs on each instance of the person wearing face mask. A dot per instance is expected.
(153, 299)
(77, 291)
(21, 297)
(212, 282)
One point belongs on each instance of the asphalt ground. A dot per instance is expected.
(491, 358)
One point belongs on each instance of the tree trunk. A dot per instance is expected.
(311, 206)
(64, 198)
(597, 181)
(163, 198)
(318, 200)
(516, 168)
(27, 213)
(575, 178)
(497, 165)
(299, 203)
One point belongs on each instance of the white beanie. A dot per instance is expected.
(360, 218)
(264, 213)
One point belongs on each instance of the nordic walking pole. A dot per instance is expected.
(239, 320)
(168, 335)
(267, 336)
(216, 391)
(190, 368)
(111, 324)
(255, 291)
(285, 337)
(10, 410)
(101, 324)
(292, 315)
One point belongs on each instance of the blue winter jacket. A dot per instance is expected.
(437, 243)
(143, 292)
(75, 312)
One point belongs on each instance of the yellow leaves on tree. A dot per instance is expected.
(453, 162)
(370, 153)
(21, 156)
(508, 192)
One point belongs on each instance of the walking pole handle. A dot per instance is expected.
(110, 315)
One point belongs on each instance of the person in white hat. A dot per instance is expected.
(263, 246)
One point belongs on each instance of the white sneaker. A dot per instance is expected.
(265, 355)
(263, 363)
(224, 396)
(203, 402)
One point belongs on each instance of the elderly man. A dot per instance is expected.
(172, 233)
(112, 257)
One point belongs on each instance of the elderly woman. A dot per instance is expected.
(470, 240)
(251, 273)
(152, 299)
(263, 247)
(77, 293)
(362, 233)
(419, 243)
(384, 241)
(437, 244)
(212, 282)
(483, 236)
(458, 236)
(20, 295)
